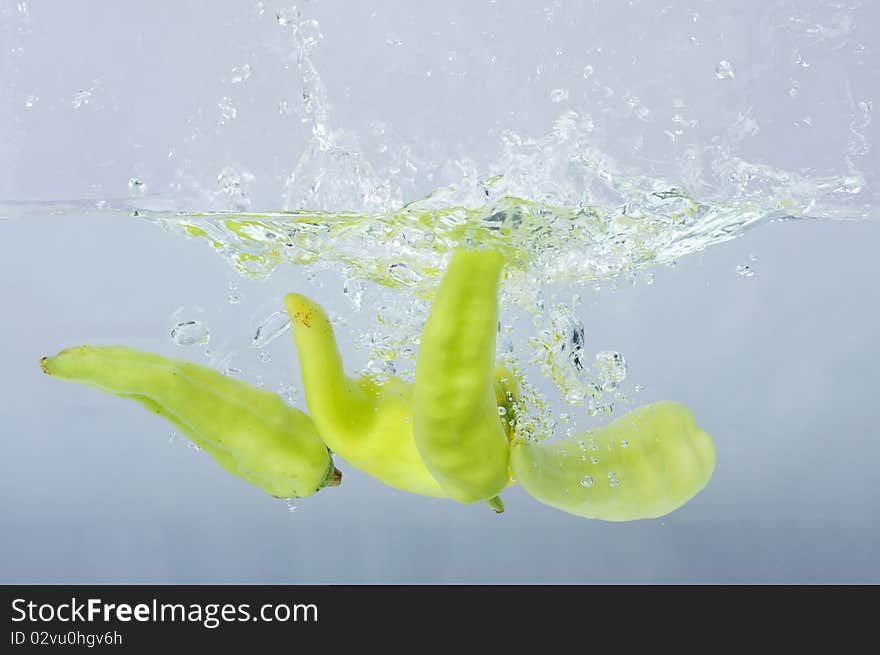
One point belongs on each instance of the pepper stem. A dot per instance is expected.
(496, 504)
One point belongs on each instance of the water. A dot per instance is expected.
(617, 164)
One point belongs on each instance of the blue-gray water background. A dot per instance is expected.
(779, 367)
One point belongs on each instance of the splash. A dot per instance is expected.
(560, 205)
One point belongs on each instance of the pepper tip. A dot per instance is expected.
(299, 309)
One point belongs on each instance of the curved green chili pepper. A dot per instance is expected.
(249, 432)
(455, 411)
(367, 424)
(645, 464)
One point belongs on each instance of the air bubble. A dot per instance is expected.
(403, 274)
(228, 112)
(286, 17)
(559, 95)
(724, 70)
(393, 39)
(81, 99)
(240, 74)
(611, 367)
(744, 270)
(190, 333)
(137, 186)
(274, 325)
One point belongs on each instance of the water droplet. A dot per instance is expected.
(649, 278)
(640, 387)
(724, 70)
(265, 357)
(559, 95)
(276, 324)
(587, 481)
(233, 299)
(744, 270)
(588, 71)
(233, 185)
(624, 443)
(188, 333)
(594, 459)
(31, 100)
(502, 410)
(240, 74)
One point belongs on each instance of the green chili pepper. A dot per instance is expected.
(249, 432)
(368, 424)
(455, 411)
(645, 464)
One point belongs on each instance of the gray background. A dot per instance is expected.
(779, 367)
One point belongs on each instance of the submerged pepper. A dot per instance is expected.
(455, 409)
(249, 432)
(366, 423)
(645, 464)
